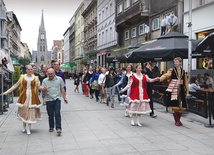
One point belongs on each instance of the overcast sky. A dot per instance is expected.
(57, 14)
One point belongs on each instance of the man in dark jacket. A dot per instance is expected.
(150, 91)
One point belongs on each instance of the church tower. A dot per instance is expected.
(42, 52)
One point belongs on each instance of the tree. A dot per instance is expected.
(24, 61)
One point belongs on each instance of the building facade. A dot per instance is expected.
(57, 51)
(42, 52)
(90, 33)
(106, 32)
(202, 26)
(72, 39)
(66, 48)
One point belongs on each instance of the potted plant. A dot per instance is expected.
(16, 76)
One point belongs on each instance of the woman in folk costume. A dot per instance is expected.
(138, 97)
(125, 95)
(177, 88)
(28, 102)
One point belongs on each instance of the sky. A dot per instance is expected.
(57, 14)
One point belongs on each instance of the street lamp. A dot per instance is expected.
(190, 40)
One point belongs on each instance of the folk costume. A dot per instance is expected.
(138, 98)
(28, 102)
(178, 86)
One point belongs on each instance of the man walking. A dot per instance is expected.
(54, 88)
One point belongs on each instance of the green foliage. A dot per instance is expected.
(16, 74)
(24, 61)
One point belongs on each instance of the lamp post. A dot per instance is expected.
(189, 24)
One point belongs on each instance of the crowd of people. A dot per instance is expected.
(134, 87)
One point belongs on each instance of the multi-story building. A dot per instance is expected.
(27, 53)
(106, 33)
(42, 52)
(67, 46)
(57, 51)
(132, 25)
(90, 32)
(72, 39)
(201, 27)
(14, 32)
(160, 10)
(79, 34)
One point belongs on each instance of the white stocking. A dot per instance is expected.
(28, 128)
(24, 127)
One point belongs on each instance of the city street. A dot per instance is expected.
(89, 128)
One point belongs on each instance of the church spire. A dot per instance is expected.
(42, 26)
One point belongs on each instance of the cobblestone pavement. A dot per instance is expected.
(90, 127)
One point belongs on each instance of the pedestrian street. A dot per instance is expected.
(90, 128)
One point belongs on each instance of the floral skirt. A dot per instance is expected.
(29, 115)
(139, 108)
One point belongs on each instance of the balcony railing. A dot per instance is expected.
(130, 13)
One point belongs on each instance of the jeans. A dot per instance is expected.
(97, 92)
(53, 109)
(118, 93)
(110, 94)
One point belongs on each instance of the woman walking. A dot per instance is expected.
(28, 102)
(125, 95)
(76, 81)
(109, 84)
(138, 98)
(94, 83)
(176, 90)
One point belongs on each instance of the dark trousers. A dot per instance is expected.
(53, 109)
(149, 91)
(97, 92)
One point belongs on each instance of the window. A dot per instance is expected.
(40, 48)
(155, 24)
(103, 15)
(133, 32)
(141, 29)
(100, 19)
(99, 41)
(59, 56)
(111, 9)
(106, 12)
(127, 35)
(43, 48)
(106, 35)
(42, 58)
(103, 38)
(126, 4)
(111, 35)
(119, 8)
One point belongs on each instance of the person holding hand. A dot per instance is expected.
(138, 97)
(178, 87)
(28, 102)
(53, 87)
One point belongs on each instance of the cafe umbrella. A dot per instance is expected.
(167, 47)
(205, 47)
(65, 66)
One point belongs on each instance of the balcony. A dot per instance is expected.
(128, 15)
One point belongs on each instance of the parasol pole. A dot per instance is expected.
(190, 40)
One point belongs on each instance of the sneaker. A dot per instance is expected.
(59, 131)
(5, 110)
(153, 115)
(51, 130)
(121, 104)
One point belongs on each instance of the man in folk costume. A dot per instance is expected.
(177, 88)
(28, 102)
(138, 98)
